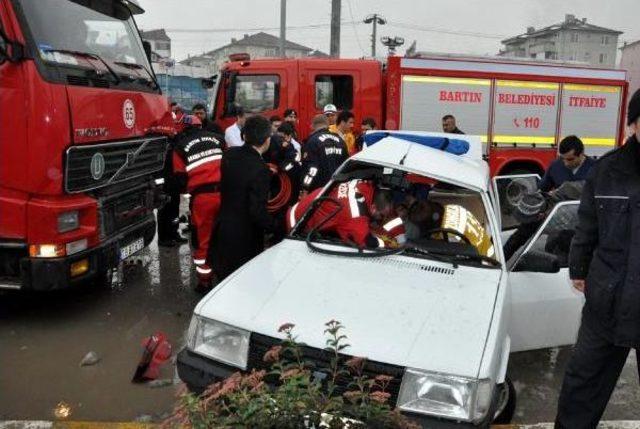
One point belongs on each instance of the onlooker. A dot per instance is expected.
(291, 117)
(572, 165)
(331, 112)
(200, 111)
(368, 124)
(604, 263)
(323, 153)
(233, 134)
(287, 131)
(343, 128)
(243, 219)
(276, 121)
(449, 125)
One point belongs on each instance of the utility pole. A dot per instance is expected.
(283, 27)
(336, 6)
(374, 19)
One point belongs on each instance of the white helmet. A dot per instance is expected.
(330, 108)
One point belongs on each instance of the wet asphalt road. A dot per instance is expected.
(43, 338)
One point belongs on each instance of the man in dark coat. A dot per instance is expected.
(604, 264)
(243, 218)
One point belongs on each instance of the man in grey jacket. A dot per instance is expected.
(604, 264)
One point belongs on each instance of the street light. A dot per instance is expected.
(374, 19)
(392, 43)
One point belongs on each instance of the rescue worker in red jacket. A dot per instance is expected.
(196, 160)
(364, 215)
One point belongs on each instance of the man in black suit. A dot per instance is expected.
(244, 188)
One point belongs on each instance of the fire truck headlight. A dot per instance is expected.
(68, 221)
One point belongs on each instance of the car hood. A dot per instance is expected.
(399, 310)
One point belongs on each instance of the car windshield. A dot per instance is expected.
(382, 211)
(101, 28)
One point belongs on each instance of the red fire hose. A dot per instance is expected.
(283, 189)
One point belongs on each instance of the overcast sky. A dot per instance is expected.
(455, 26)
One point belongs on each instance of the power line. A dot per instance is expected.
(401, 25)
(235, 30)
(355, 29)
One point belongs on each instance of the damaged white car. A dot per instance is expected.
(440, 313)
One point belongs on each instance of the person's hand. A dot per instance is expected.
(579, 285)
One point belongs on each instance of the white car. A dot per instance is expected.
(437, 316)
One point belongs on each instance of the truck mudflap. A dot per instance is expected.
(53, 274)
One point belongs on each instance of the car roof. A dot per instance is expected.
(468, 170)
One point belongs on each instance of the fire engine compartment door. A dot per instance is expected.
(592, 112)
(525, 113)
(426, 99)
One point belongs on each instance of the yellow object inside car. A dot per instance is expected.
(458, 218)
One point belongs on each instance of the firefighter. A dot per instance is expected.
(426, 216)
(359, 213)
(196, 161)
(323, 153)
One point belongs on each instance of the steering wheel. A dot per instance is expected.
(448, 231)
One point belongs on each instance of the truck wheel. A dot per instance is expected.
(506, 407)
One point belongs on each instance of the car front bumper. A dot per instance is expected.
(198, 372)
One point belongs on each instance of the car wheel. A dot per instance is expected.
(506, 403)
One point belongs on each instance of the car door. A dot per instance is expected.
(545, 308)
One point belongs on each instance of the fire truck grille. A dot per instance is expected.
(95, 166)
(124, 209)
(318, 360)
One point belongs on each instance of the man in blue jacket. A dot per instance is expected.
(572, 165)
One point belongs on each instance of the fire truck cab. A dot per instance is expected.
(521, 110)
(82, 138)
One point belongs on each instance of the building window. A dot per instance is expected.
(255, 93)
(337, 90)
(163, 46)
(587, 56)
(575, 37)
(605, 40)
(270, 53)
(573, 56)
(551, 55)
(603, 58)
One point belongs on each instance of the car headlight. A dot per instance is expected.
(448, 396)
(68, 221)
(219, 341)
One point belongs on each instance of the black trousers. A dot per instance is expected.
(591, 376)
(168, 218)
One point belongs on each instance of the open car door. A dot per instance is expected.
(545, 308)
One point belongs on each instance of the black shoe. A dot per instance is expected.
(167, 243)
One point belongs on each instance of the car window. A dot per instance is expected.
(428, 216)
(555, 235)
(509, 190)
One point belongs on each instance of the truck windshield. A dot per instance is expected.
(98, 27)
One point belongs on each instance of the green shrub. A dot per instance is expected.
(288, 396)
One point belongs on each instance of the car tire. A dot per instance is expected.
(506, 406)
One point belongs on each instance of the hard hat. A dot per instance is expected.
(330, 108)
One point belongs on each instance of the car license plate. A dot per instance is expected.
(131, 248)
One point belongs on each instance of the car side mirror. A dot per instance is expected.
(538, 262)
(209, 83)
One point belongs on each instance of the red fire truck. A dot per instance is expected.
(81, 141)
(520, 109)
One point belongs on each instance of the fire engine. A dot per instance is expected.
(83, 129)
(520, 109)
